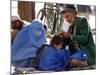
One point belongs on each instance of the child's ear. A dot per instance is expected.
(55, 46)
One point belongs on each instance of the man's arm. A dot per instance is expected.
(84, 32)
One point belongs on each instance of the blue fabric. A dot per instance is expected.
(24, 63)
(64, 56)
(27, 42)
(52, 60)
(80, 55)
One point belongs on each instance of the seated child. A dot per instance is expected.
(52, 57)
(16, 26)
(78, 57)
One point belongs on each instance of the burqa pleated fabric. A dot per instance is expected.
(26, 43)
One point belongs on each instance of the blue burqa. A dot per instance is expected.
(26, 43)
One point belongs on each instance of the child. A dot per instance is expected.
(53, 58)
(16, 26)
(78, 57)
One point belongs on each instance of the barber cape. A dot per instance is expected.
(27, 42)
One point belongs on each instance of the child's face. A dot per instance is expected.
(58, 47)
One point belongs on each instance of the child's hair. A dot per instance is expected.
(17, 24)
(56, 40)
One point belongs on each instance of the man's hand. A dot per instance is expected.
(66, 34)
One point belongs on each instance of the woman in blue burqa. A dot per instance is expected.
(26, 43)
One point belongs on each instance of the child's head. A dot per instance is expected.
(17, 24)
(73, 46)
(56, 42)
